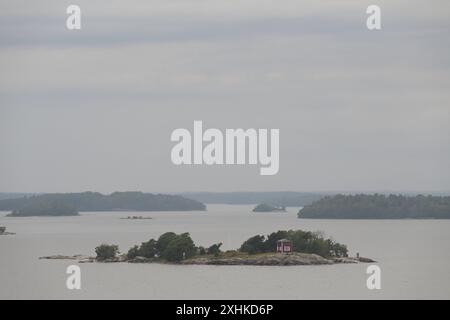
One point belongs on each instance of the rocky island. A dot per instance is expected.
(136, 218)
(3, 231)
(268, 208)
(281, 248)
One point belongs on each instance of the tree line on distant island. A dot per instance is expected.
(174, 247)
(66, 204)
(378, 206)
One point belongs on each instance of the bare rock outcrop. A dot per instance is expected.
(271, 259)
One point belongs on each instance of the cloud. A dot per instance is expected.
(94, 109)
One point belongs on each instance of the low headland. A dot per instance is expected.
(306, 248)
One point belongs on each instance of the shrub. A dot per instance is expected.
(215, 249)
(201, 251)
(133, 252)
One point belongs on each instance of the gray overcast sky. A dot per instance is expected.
(94, 109)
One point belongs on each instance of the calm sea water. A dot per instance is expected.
(414, 257)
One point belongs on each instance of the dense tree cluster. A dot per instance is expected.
(302, 241)
(378, 206)
(92, 201)
(169, 246)
(106, 251)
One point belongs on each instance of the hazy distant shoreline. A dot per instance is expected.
(70, 204)
(378, 206)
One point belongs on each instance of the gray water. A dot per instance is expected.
(414, 257)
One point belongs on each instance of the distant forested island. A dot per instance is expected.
(378, 206)
(64, 204)
(273, 198)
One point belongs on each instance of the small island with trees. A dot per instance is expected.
(306, 248)
(136, 218)
(70, 204)
(3, 231)
(378, 206)
(264, 207)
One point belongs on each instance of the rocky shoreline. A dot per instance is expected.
(275, 259)
(267, 259)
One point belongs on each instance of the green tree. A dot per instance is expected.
(133, 252)
(300, 240)
(339, 250)
(148, 249)
(253, 245)
(106, 251)
(164, 240)
(179, 248)
(215, 249)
